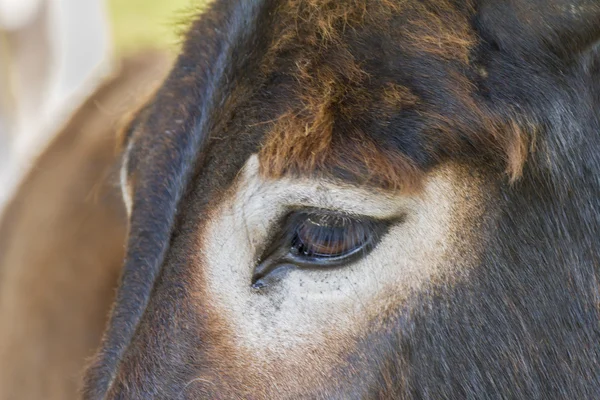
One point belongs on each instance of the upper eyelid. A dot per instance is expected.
(284, 226)
(325, 210)
(285, 220)
(343, 206)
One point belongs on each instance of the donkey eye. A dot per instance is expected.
(318, 239)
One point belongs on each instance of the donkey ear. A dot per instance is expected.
(563, 27)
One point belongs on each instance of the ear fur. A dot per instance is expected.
(170, 139)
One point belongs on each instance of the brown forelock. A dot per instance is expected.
(341, 62)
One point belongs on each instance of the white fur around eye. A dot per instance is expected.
(307, 308)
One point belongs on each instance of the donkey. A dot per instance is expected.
(345, 199)
(365, 199)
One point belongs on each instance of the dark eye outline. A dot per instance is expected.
(282, 255)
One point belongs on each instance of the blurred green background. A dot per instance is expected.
(144, 23)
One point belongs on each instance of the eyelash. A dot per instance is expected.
(318, 239)
(329, 236)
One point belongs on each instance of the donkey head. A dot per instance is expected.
(365, 199)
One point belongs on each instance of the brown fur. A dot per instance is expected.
(62, 245)
(333, 86)
(380, 93)
(512, 140)
(314, 97)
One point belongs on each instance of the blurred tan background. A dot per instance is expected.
(54, 53)
(62, 236)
